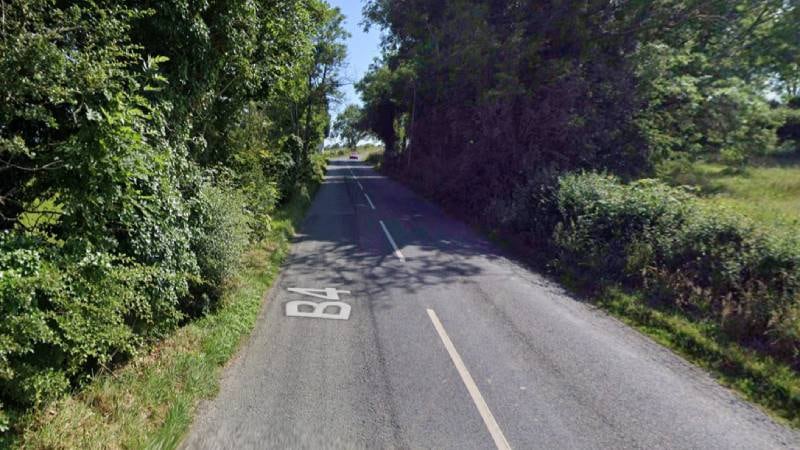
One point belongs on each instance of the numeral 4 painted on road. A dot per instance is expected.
(327, 293)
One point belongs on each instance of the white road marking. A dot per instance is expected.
(327, 293)
(494, 429)
(391, 241)
(357, 182)
(318, 310)
(370, 201)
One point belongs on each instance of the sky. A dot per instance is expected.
(362, 48)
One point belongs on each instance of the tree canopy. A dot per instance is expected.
(349, 126)
(537, 88)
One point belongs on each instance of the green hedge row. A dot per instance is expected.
(707, 260)
(67, 314)
(71, 308)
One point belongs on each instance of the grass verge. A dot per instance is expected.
(758, 378)
(150, 402)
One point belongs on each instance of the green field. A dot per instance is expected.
(768, 191)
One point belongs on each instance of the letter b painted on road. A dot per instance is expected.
(318, 310)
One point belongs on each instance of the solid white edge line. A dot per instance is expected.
(369, 201)
(391, 241)
(494, 429)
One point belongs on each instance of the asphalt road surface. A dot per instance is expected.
(395, 326)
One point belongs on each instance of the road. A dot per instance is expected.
(449, 344)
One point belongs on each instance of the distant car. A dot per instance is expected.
(354, 155)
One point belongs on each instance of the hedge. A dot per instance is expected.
(707, 260)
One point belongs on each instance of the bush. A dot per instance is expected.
(221, 225)
(319, 162)
(282, 164)
(109, 234)
(66, 316)
(608, 229)
(707, 260)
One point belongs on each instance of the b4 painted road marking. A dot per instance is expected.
(327, 293)
(317, 310)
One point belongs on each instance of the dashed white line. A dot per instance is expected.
(494, 429)
(371, 205)
(391, 241)
(357, 182)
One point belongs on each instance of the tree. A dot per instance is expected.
(703, 81)
(537, 88)
(349, 126)
(388, 101)
(323, 79)
(533, 88)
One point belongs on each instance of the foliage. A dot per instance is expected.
(222, 225)
(4, 420)
(790, 129)
(149, 402)
(323, 82)
(702, 258)
(472, 117)
(384, 92)
(257, 176)
(688, 114)
(221, 56)
(142, 147)
(536, 88)
(348, 126)
(65, 317)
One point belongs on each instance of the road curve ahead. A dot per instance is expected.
(393, 325)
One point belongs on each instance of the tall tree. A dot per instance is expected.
(349, 126)
(540, 87)
(323, 78)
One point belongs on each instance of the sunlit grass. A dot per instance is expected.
(769, 194)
